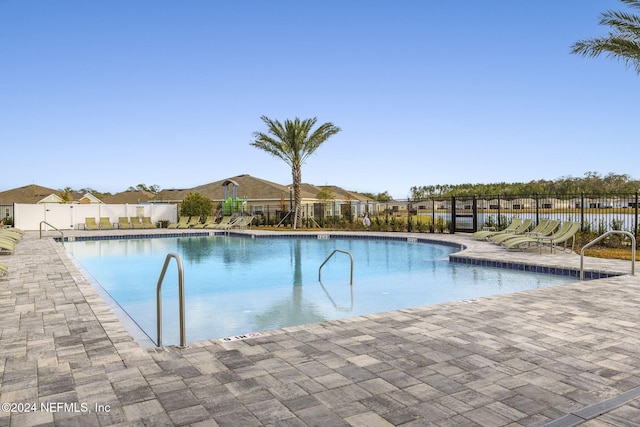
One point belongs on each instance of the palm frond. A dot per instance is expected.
(294, 141)
(623, 41)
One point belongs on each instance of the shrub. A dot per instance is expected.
(195, 204)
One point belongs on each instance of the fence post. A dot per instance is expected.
(452, 227)
(582, 211)
(499, 221)
(433, 215)
(474, 207)
(635, 226)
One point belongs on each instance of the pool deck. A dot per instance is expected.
(560, 356)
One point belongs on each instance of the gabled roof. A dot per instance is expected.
(248, 187)
(28, 194)
(339, 193)
(89, 198)
(129, 196)
(171, 195)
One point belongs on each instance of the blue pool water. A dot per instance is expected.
(235, 284)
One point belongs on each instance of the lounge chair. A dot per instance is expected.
(565, 233)
(123, 222)
(135, 222)
(7, 248)
(8, 240)
(9, 232)
(194, 220)
(224, 223)
(544, 228)
(523, 240)
(4, 270)
(520, 229)
(242, 222)
(210, 220)
(105, 223)
(8, 227)
(11, 236)
(90, 224)
(146, 222)
(483, 234)
(182, 223)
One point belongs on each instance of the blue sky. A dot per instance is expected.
(111, 94)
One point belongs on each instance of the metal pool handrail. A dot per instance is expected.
(329, 257)
(183, 338)
(597, 239)
(59, 231)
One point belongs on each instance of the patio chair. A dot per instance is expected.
(210, 220)
(565, 233)
(10, 228)
(123, 222)
(146, 222)
(8, 240)
(521, 241)
(105, 223)
(7, 248)
(194, 220)
(544, 228)
(90, 224)
(224, 223)
(11, 236)
(135, 222)
(483, 234)
(9, 232)
(182, 223)
(520, 229)
(242, 222)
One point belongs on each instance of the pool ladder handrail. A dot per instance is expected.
(608, 233)
(329, 257)
(59, 231)
(183, 338)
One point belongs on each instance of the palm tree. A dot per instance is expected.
(293, 142)
(623, 41)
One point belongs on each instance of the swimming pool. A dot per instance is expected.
(238, 284)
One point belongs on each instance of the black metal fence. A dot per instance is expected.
(594, 213)
(465, 214)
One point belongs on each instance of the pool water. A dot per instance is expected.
(236, 284)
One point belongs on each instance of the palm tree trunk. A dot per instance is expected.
(297, 195)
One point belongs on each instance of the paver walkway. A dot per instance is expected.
(564, 355)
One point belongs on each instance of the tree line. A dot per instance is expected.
(591, 183)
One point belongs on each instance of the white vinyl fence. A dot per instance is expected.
(72, 216)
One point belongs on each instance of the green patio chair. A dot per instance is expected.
(566, 232)
(483, 234)
(91, 224)
(182, 223)
(105, 223)
(146, 222)
(123, 222)
(546, 227)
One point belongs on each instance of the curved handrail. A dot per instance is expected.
(183, 339)
(59, 231)
(597, 239)
(329, 257)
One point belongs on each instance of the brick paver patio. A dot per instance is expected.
(565, 355)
